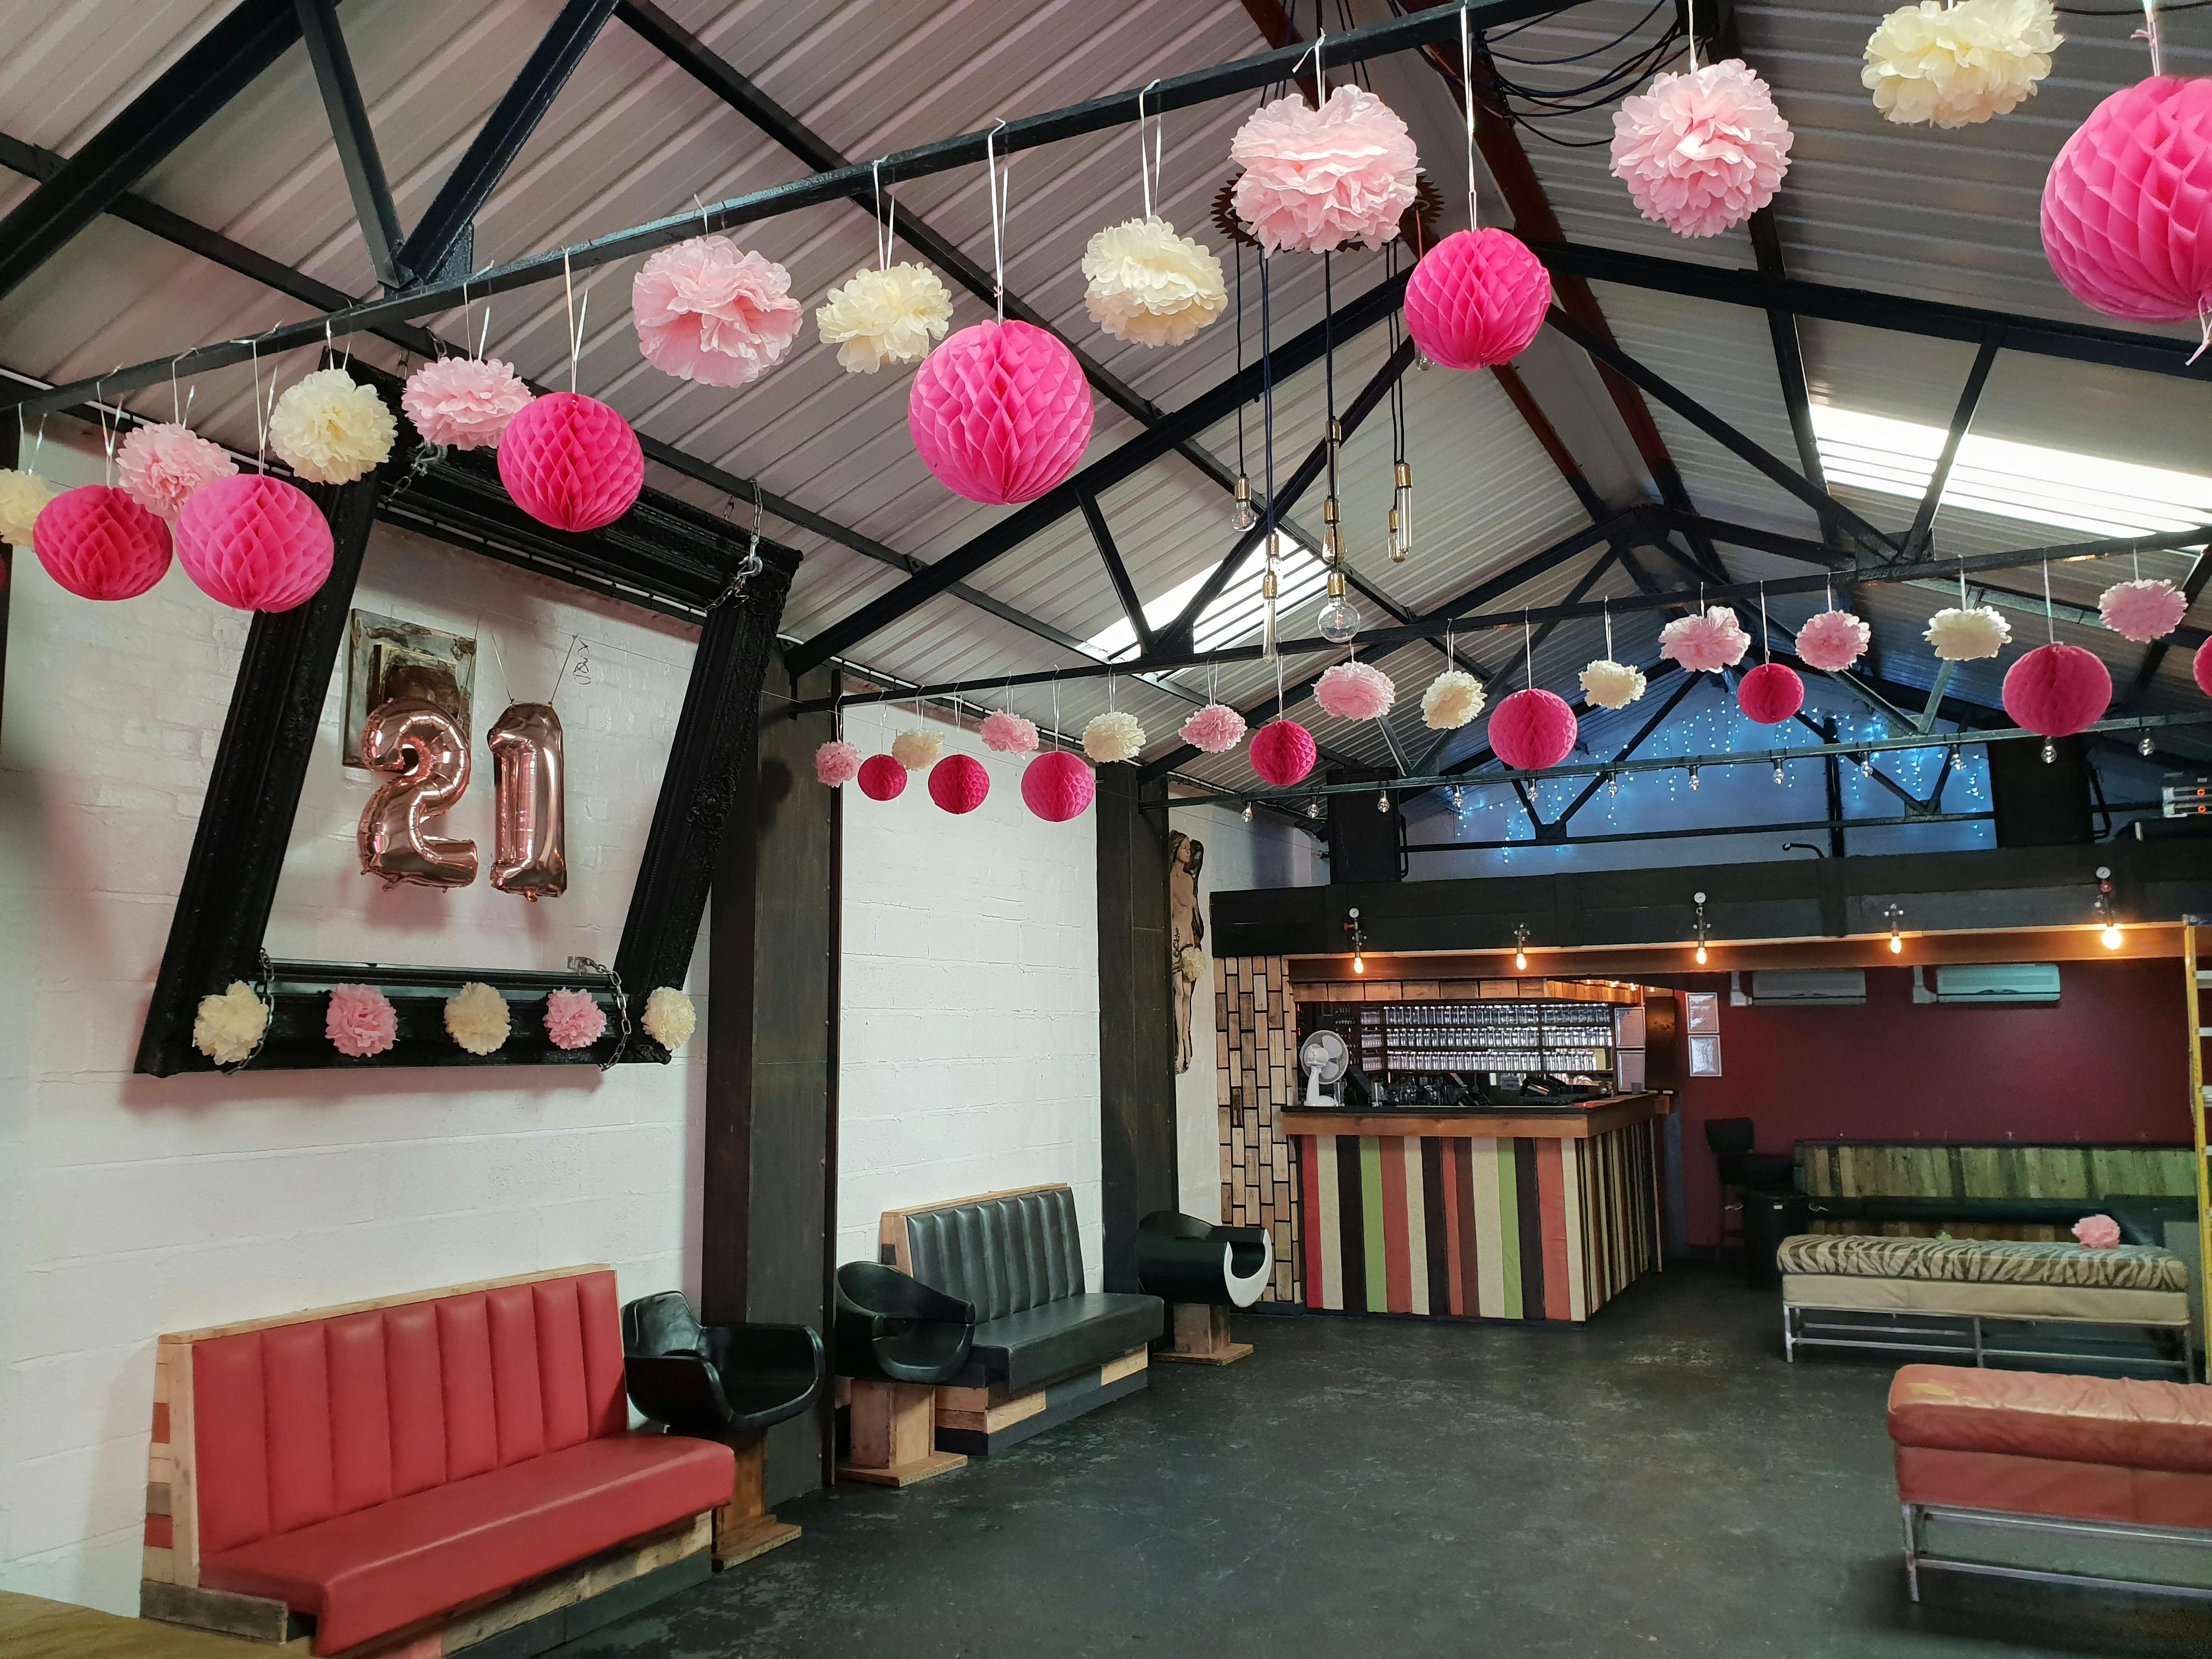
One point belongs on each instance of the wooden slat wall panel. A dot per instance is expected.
(1256, 1076)
(1854, 1168)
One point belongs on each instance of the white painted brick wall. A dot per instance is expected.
(130, 1206)
(970, 1048)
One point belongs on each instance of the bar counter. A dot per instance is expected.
(1522, 1212)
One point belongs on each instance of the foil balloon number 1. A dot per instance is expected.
(420, 745)
(530, 768)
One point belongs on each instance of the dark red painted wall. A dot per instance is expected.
(2109, 1063)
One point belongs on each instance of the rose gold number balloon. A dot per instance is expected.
(420, 743)
(530, 802)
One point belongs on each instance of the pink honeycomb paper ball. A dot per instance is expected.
(882, 778)
(1532, 729)
(1057, 786)
(2127, 206)
(2201, 666)
(571, 462)
(1771, 693)
(254, 543)
(100, 544)
(2056, 690)
(1477, 299)
(958, 783)
(1000, 412)
(1283, 752)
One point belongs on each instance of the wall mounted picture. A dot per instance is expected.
(1703, 1013)
(1705, 1056)
(387, 658)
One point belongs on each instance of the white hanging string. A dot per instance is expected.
(2050, 624)
(1690, 28)
(1765, 638)
(575, 317)
(1606, 606)
(1157, 172)
(1467, 98)
(2150, 32)
(883, 220)
(1528, 649)
(106, 431)
(1000, 201)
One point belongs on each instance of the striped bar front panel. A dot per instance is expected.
(1475, 1228)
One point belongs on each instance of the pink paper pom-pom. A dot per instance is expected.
(361, 1020)
(571, 461)
(1771, 693)
(837, 763)
(463, 402)
(958, 783)
(162, 465)
(1005, 732)
(99, 544)
(2142, 611)
(882, 778)
(1705, 643)
(573, 1019)
(1000, 412)
(1532, 729)
(1833, 640)
(2097, 1232)
(1057, 786)
(708, 312)
(1477, 299)
(2127, 206)
(254, 543)
(1282, 752)
(1215, 729)
(2056, 690)
(1355, 691)
(1703, 151)
(1315, 179)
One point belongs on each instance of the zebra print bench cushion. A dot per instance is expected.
(1982, 1261)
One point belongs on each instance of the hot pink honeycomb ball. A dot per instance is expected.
(2127, 206)
(958, 783)
(882, 778)
(100, 544)
(2056, 690)
(1283, 752)
(254, 543)
(2200, 665)
(1770, 693)
(1532, 729)
(570, 461)
(1057, 786)
(1477, 299)
(1000, 412)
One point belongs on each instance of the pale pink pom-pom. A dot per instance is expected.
(1703, 151)
(2142, 611)
(360, 1021)
(159, 466)
(463, 402)
(1006, 732)
(1216, 729)
(2097, 1232)
(573, 1019)
(1833, 640)
(837, 763)
(1355, 691)
(1707, 643)
(1315, 179)
(708, 313)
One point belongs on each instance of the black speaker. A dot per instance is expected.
(2039, 804)
(1365, 844)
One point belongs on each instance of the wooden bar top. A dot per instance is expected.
(1577, 1121)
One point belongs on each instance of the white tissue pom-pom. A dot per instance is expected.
(1114, 736)
(669, 1019)
(228, 1028)
(917, 751)
(882, 316)
(23, 496)
(1967, 635)
(1610, 684)
(477, 1018)
(1453, 698)
(1150, 285)
(1953, 66)
(329, 431)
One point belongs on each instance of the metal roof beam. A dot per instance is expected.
(1918, 538)
(1658, 719)
(1118, 573)
(356, 140)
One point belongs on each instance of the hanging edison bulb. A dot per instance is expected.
(1339, 619)
(1402, 513)
(1241, 514)
(1267, 635)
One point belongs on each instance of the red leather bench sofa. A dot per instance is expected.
(415, 1473)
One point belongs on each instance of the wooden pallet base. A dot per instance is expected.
(1198, 1334)
(748, 1539)
(983, 1421)
(905, 1474)
(891, 1428)
(743, 1526)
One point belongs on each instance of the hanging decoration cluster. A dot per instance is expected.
(1955, 65)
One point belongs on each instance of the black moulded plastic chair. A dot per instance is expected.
(715, 1381)
(891, 1328)
(1201, 1270)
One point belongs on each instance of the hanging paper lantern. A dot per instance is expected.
(1703, 151)
(882, 778)
(1008, 733)
(2127, 206)
(1968, 635)
(1532, 729)
(2201, 666)
(1282, 752)
(99, 544)
(1771, 693)
(463, 402)
(1057, 786)
(1610, 684)
(2142, 611)
(1477, 299)
(162, 465)
(1214, 730)
(23, 496)
(1316, 179)
(1453, 698)
(2056, 690)
(1704, 644)
(708, 313)
(1355, 691)
(958, 783)
(837, 763)
(1144, 282)
(1833, 640)
(1952, 66)
(571, 462)
(1114, 736)
(329, 429)
(1000, 412)
(887, 316)
(917, 751)
(254, 543)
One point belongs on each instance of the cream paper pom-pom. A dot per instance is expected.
(1967, 635)
(885, 316)
(669, 1019)
(329, 431)
(1114, 736)
(1953, 66)
(1610, 684)
(23, 496)
(917, 751)
(1150, 285)
(228, 1028)
(1453, 698)
(477, 1018)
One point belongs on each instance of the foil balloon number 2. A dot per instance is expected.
(423, 749)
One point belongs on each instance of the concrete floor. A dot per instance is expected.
(1657, 1482)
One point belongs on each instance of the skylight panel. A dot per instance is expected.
(1236, 611)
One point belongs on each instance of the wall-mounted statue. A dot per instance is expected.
(1186, 933)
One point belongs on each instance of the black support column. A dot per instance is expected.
(1136, 1018)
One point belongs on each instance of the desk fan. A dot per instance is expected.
(1326, 1060)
